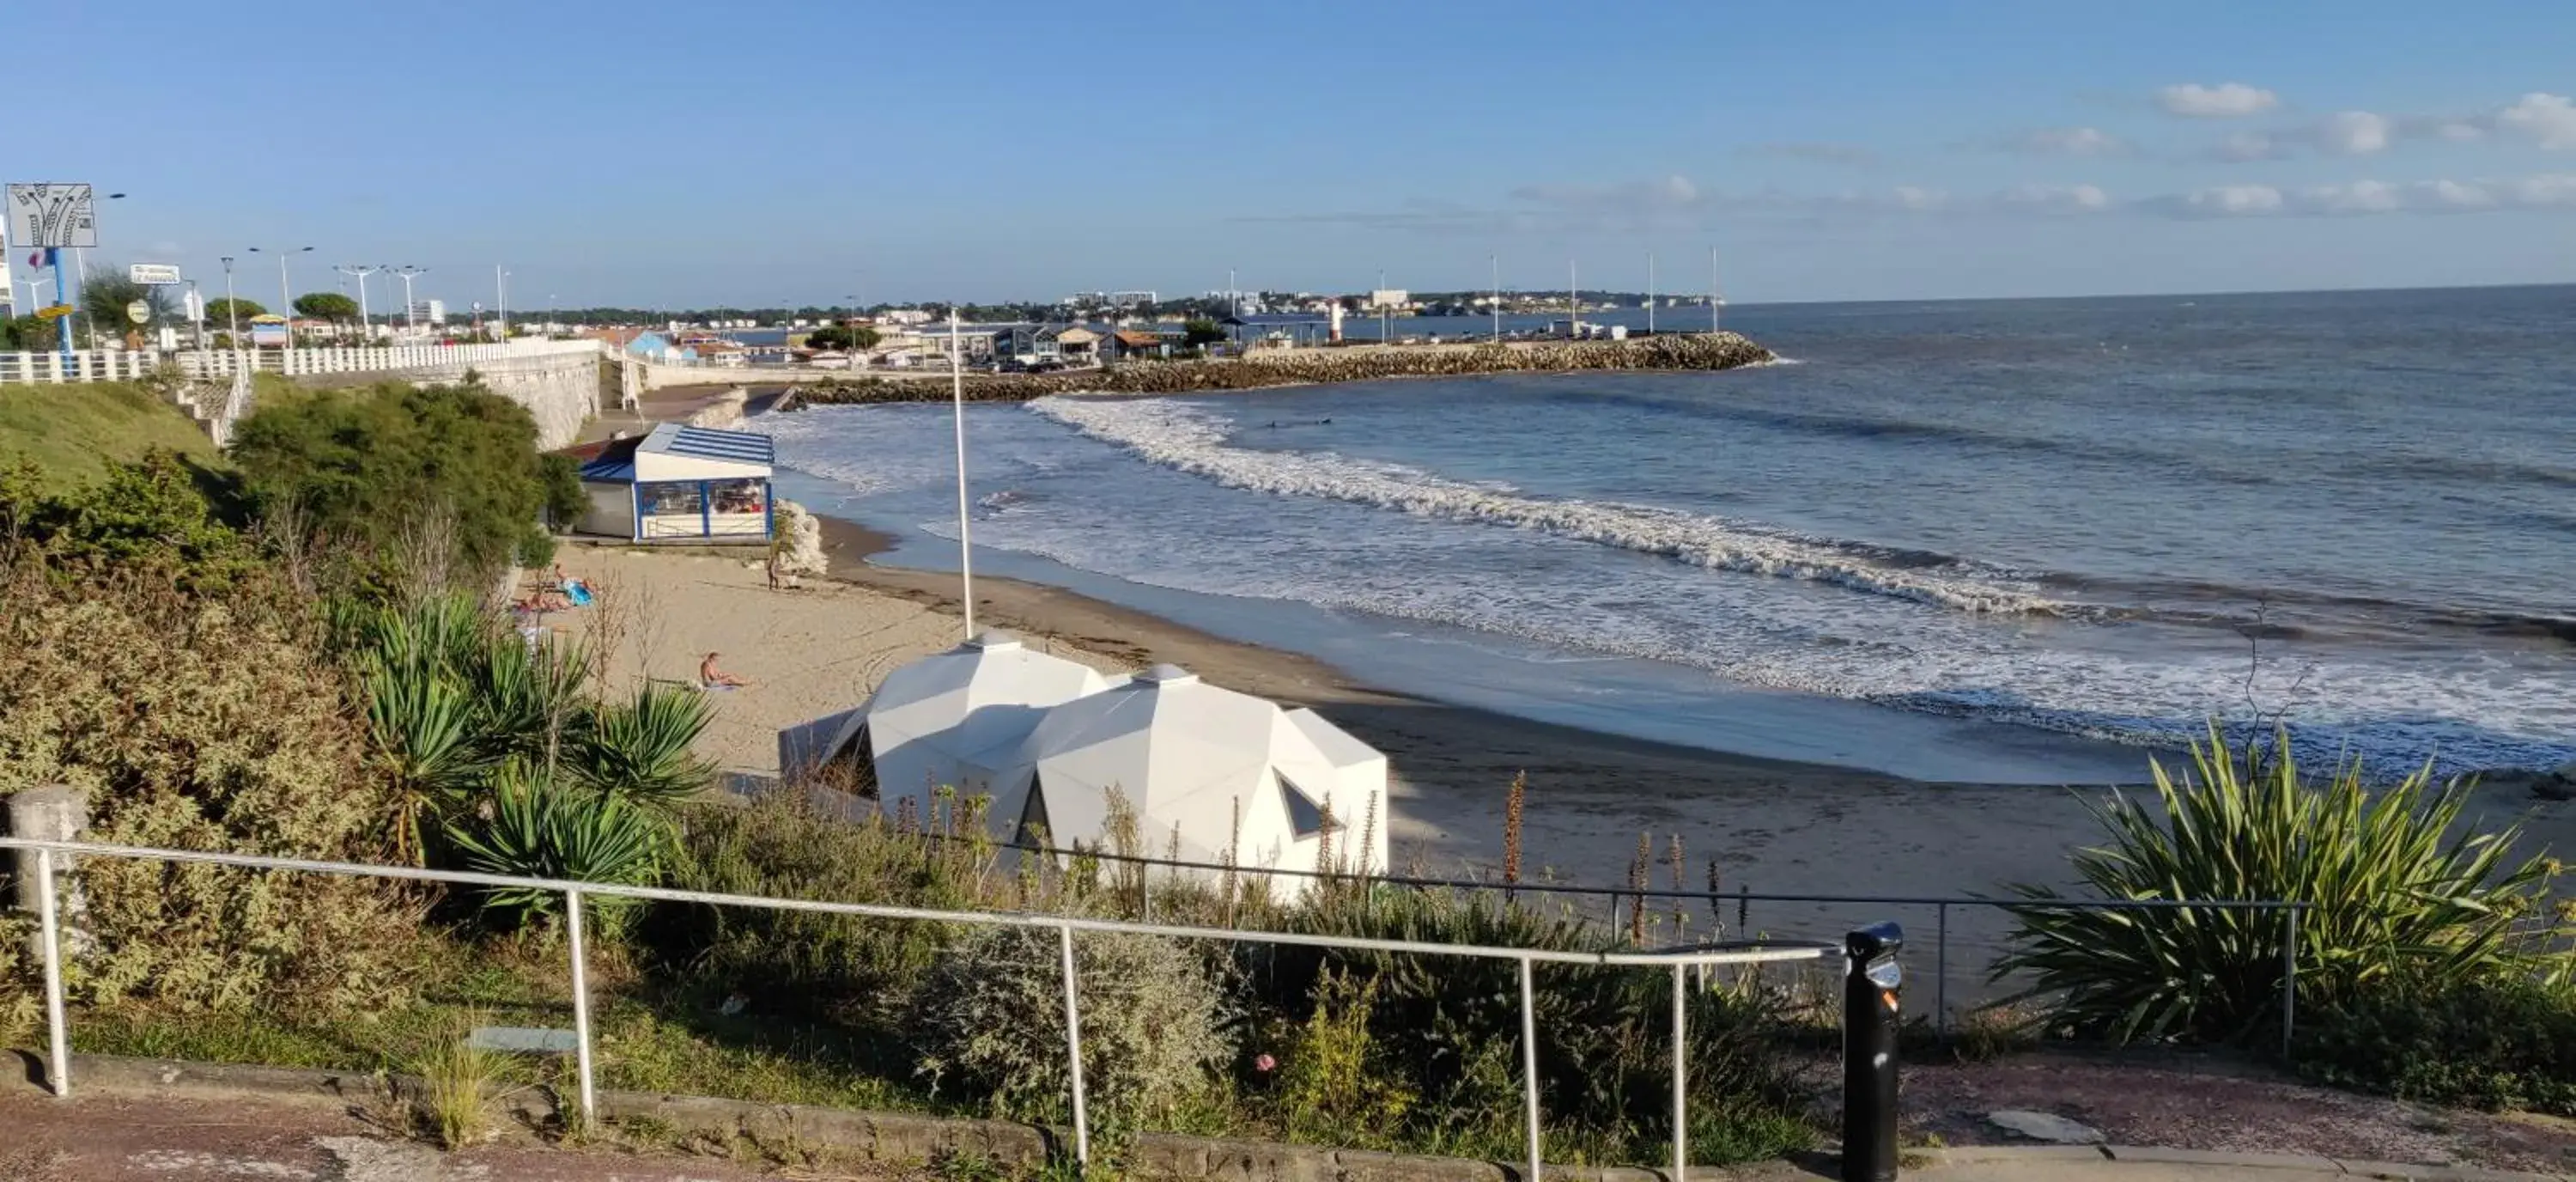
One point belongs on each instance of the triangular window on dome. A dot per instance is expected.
(852, 768)
(1305, 816)
(1033, 831)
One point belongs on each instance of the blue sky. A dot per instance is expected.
(773, 151)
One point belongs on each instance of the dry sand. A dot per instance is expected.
(1771, 826)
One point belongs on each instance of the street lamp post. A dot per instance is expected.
(500, 305)
(411, 317)
(285, 299)
(366, 325)
(232, 308)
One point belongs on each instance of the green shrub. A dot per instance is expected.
(1336, 1084)
(453, 470)
(1453, 1024)
(151, 518)
(855, 970)
(988, 1020)
(540, 829)
(2502, 1041)
(2397, 889)
(203, 722)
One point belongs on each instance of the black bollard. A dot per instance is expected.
(1871, 979)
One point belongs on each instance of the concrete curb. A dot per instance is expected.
(908, 1138)
(2105, 1161)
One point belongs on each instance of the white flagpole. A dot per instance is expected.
(957, 391)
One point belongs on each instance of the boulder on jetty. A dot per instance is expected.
(1302, 367)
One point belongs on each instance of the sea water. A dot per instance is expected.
(2116, 519)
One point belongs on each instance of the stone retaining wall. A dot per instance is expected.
(1300, 367)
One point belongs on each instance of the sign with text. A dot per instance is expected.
(153, 274)
(56, 312)
(268, 332)
(52, 215)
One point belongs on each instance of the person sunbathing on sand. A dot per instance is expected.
(711, 677)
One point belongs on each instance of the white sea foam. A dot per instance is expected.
(1095, 501)
(1192, 440)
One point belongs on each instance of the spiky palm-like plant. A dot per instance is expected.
(639, 749)
(530, 699)
(420, 730)
(2395, 886)
(541, 828)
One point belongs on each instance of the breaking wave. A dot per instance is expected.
(1191, 440)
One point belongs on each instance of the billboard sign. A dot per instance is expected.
(268, 332)
(153, 274)
(52, 215)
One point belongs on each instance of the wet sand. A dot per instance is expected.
(1771, 826)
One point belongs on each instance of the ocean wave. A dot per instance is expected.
(1185, 438)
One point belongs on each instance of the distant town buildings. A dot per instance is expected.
(430, 312)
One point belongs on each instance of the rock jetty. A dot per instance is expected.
(1302, 367)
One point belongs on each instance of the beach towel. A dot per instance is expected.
(577, 592)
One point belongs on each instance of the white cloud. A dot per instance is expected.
(2548, 119)
(2056, 198)
(2069, 141)
(1675, 201)
(2243, 146)
(1815, 153)
(2354, 133)
(2548, 191)
(2227, 100)
(2233, 200)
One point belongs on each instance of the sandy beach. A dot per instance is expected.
(1771, 826)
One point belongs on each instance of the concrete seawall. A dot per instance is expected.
(560, 392)
(1299, 367)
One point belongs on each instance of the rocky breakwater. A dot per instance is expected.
(1305, 367)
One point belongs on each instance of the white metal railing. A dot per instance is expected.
(58, 1064)
(108, 365)
(237, 397)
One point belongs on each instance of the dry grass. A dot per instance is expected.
(459, 1082)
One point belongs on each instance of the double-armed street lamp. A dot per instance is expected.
(285, 299)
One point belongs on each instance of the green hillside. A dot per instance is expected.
(73, 431)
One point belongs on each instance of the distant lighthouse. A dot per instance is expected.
(1336, 307)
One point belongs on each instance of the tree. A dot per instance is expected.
(104, 297)
(327, 305)
(1201, 332)
(229, 310)
(398, 469)
(26, 333)
(834, 336)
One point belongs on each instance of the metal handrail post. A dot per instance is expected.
(1073, 1048)
(58, 1067)
(1529, 1069)
(1681, 1073)
(2289, 978)
(581, 1010)
(1941, 978)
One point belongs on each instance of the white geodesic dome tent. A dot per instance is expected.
(1205, 769)
(958, 719)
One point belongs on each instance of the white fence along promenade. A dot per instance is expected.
(114, 365)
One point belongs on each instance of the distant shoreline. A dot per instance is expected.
(1317, 366)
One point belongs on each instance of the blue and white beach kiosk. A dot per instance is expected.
(679, 484)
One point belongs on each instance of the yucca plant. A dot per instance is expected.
(540, 828)
(2396, 886)
(529, 699)
(420, 729)
(639, 749)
